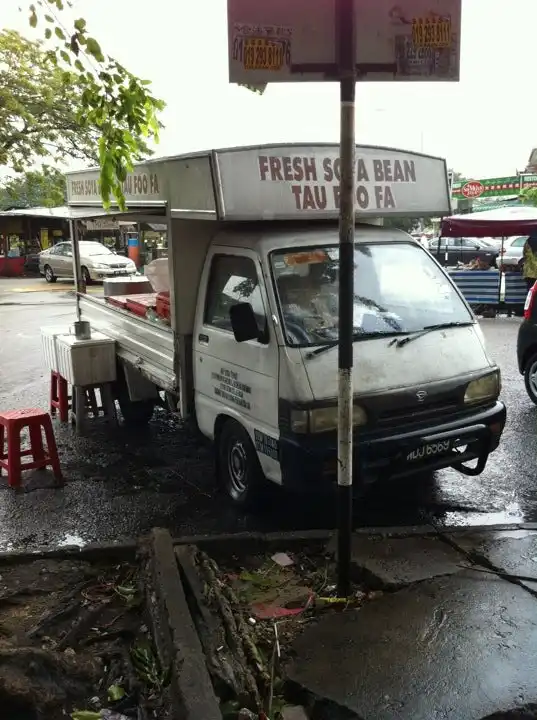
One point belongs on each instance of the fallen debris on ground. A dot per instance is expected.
(248, 610)
(73, 642)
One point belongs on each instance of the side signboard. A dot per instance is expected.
(493, 187)
(488, 187)
(294, 41)
(142, 185)
(293, 182)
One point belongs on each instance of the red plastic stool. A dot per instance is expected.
(11, 424)
(59, 396)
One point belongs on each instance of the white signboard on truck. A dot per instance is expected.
(294, 40)
(302, 182)
(144, 184)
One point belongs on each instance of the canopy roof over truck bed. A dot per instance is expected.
(276, 182)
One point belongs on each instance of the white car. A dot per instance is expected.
(512, 250)
(96, 260)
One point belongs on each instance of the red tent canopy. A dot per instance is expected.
(503, 222)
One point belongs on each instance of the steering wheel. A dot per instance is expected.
(296, 333)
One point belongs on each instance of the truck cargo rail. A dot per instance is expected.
(146, 345)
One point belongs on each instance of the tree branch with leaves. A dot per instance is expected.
(529, 196)
(35, 188)
(39, 108)
(116, 106)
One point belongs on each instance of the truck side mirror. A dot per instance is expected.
(243, 322)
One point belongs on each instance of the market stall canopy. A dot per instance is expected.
(65, 212)
(502, 222)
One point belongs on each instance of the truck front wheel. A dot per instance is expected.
(238, 466)
(530, 377)
(135, 413)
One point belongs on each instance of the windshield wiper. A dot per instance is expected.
(399, 342)
(355, 337)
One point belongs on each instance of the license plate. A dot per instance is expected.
(119, 272)
(428, 451)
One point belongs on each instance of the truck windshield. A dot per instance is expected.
(398, 288)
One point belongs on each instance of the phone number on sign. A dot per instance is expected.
(256, 53)
(433, 33)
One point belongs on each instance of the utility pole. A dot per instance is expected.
(345, 42)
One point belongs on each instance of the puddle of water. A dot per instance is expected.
(511, 515)
(515, 535)
(69, 539)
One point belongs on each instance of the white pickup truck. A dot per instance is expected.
(251, 352)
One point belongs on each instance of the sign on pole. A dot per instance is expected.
(295, 41)
(344, 41)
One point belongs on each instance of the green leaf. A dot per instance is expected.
(59, 33)
(80, 25)
(93, 47)
(86, 715)
(115, 693)
(65, 57)
(33, 20)
(49, 18)
(48, 33)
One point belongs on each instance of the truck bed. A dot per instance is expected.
(145, 345)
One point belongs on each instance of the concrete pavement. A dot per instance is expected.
(448, 639)
(443, 641)
(36, 289)
(120, 485)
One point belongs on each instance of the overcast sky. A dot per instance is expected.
(485, 125)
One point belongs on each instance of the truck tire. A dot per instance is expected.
(530, 377)
(239, 471)
(135, 413)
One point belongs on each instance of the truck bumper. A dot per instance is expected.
(310, 462)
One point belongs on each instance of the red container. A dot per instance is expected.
(140, 304)
(119, 301)
(163, 304)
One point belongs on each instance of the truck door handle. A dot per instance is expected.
(203, 339)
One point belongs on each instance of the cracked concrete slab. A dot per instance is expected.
(455, 647)
(512, 551)
(398, 561)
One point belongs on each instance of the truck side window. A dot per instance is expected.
(233, 279)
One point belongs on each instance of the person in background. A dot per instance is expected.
(485, 261)
(529, 255)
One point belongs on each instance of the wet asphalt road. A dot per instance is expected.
(119, 485)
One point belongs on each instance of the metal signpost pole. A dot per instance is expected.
(80, 285)
(285, 41)
(347, 68)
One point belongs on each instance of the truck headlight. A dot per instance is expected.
(322, 419)
(484, 388)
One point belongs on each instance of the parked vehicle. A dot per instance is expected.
(527, 345)
(451, 251)
(250, 350)
(97, 262)
(512, 251)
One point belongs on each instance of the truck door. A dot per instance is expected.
(237, 380)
